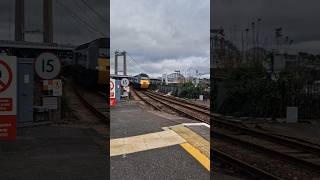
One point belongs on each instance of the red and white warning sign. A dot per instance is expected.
(112, 88)
(112, 92)
(52, 87)
(8, 97)
(5, 104)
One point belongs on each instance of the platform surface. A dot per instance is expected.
(50, 152)
(161, 160)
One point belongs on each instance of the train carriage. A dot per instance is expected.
(92, 62)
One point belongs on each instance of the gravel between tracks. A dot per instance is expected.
(277, 167)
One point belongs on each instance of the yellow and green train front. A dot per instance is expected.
(144, 83)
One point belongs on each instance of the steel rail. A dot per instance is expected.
(103, 118)
(146, 101)
(178, 110)
(268, 151)
(180, 103)
(272, 138)
(253, 171)
(183, 101)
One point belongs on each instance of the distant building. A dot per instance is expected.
(155, 80)
(173, 78)
(281, 61)
(204, 81)
(164, 79)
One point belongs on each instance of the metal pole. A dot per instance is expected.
(47, 21)
(116, 63)
(19, 20)
(124, 63)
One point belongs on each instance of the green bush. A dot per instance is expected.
(188, 90)
(250, 91)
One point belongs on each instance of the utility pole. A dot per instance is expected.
(247, 43)
(278, 33)
(253, 41)
(242, 46)
(258, 29)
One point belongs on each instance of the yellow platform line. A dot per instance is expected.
(197, 155)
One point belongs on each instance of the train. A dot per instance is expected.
(140, 81)
(92, 63)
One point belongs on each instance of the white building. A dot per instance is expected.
(281, 61)
(173, 78)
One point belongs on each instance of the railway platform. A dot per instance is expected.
(54, 152)
(149, 144)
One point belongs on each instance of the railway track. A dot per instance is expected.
(253, 171)
(153, 103)
(296, 158)
(203, 107)
(86, 109)
(298, 154)
(95, 102)
(272, 147)
(189, 110)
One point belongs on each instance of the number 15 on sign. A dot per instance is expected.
(47, 66)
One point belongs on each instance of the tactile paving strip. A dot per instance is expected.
(144, 142)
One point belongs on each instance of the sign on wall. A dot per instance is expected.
(8, 97)
(112, 92)
(112, 88)
(52, 87)
(127, 89)
(50, 102)
(124, 82)
(47, 66)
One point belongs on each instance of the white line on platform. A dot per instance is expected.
(196, 124)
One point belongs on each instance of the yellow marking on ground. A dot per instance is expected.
(194, 139)
(197, 155)
(144, 142)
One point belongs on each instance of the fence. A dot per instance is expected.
(305, 96)
(179, 91)
(271, 101)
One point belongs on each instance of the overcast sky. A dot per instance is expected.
(299, 20)
(74, 21)
(162, 36)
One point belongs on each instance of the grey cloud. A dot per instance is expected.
(67, 29)
(152, 32)
(297, 18)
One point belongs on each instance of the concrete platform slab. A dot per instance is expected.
(165, 163)
(129, 119)
(53, 153)
(223, 177)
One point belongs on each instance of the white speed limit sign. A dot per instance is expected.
(124, 82)
(47, 66)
